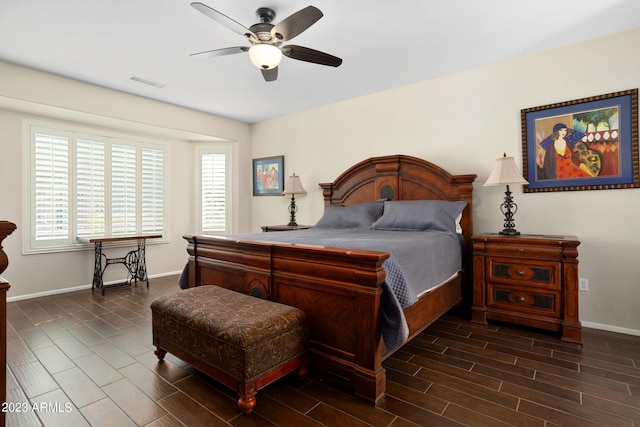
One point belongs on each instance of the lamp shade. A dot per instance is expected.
(504, 172)
(293, 185)
(265, 56)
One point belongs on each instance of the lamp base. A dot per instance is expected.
(292, 211)
(509, 232)
(508, 209)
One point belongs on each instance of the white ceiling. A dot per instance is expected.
(384, 44)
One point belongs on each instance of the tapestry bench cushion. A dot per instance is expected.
(243, 336)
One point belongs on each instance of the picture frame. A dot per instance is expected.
(601, 134)
(268, 176)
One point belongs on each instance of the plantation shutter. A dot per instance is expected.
(51, 219)
(90, 188)
(152, 191)
(123, 189)
(214, 216)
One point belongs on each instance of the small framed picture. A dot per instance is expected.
(584, 144)
(268, 176)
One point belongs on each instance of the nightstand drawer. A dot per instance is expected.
(518, 249)
(542, 274)
(525, 300)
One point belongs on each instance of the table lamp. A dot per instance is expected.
(505, 172)
(293, 187)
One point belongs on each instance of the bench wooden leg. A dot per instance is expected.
(160, 353)
(301, 373)
(247, 393)
(246, 404)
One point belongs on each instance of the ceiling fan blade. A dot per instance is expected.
(222, 19)
(295, 24)
(270, 75)
(220, 52)
(311, 55)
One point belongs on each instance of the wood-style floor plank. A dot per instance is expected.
(105, 413)
(93, 354)
(34, 379)
(79, 387)
(53, 359)
(189, 412)
(140, 408)
(222, 403)
(330, 416)
(151, 384)
(54, 410)
(97, 369)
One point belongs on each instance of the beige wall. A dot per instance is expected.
(25, 93)
(463, 122)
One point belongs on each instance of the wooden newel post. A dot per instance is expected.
(6, 228)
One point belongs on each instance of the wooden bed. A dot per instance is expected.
(340, 289)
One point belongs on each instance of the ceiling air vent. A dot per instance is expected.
(146, 81)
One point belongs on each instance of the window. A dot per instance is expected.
(82, 183)
(214, 190)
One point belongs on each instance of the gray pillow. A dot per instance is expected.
(420, 215)
(361, 215)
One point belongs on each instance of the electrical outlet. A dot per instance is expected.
(583, 284)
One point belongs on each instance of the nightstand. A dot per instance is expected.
(531, 280)
(267, 228)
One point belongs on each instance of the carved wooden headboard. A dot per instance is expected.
(400, 177)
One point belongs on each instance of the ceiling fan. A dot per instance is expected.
(266, 39)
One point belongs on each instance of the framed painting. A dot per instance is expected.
(268, 176)
(584, 144)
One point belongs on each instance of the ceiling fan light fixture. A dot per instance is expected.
(265, 56)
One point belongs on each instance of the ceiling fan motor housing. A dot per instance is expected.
(262, 30)
(262, 33)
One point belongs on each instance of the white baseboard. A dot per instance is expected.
(611, 328)
(78, 288)
(47, 293)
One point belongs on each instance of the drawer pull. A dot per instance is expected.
(521, 250)
(520, 272)
(521, 299)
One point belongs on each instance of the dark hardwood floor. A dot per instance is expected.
(85, 359)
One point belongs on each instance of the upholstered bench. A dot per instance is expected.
(241, 341)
